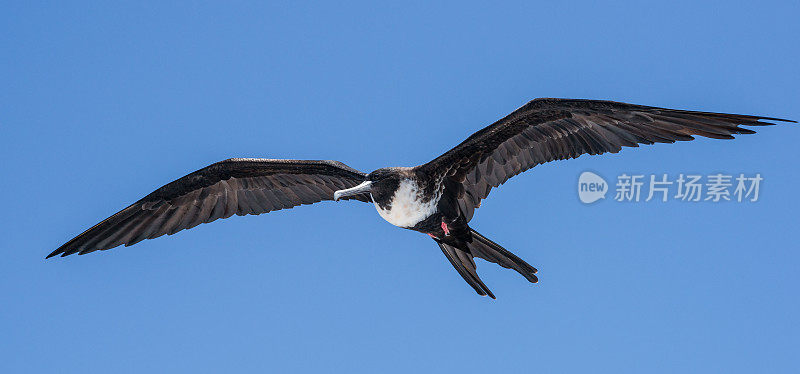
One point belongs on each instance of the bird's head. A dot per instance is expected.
(380, 184)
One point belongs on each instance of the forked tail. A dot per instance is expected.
(461, 257)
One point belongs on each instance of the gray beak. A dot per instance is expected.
(361, 188)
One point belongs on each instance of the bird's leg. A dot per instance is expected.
(444, 228)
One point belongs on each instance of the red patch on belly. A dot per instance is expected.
(446, 230)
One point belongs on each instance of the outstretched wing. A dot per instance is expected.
(236, 186)
(544, 130)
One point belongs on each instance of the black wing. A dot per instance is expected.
(544, 130)
(236, 186)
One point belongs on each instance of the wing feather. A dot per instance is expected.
(545, 130)
(234, 186)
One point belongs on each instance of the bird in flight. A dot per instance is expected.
(438, 198)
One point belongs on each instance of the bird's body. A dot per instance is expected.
(409, 204)
(437, 198)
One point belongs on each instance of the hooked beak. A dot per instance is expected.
(361, 188)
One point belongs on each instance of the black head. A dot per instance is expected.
(381, 184)
(385, 182)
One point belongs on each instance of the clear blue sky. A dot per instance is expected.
(100, 104)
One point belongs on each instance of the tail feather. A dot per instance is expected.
(493, 252)
(463, 263)
(461, 258)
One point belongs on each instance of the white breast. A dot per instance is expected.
(407, 209)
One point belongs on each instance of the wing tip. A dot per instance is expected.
(60, 253)
(774, 119)
(62, 250)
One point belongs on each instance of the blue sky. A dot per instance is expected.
(102, 103)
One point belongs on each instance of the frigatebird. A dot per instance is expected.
(437, 198)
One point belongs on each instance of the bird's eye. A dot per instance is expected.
(375, 176)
